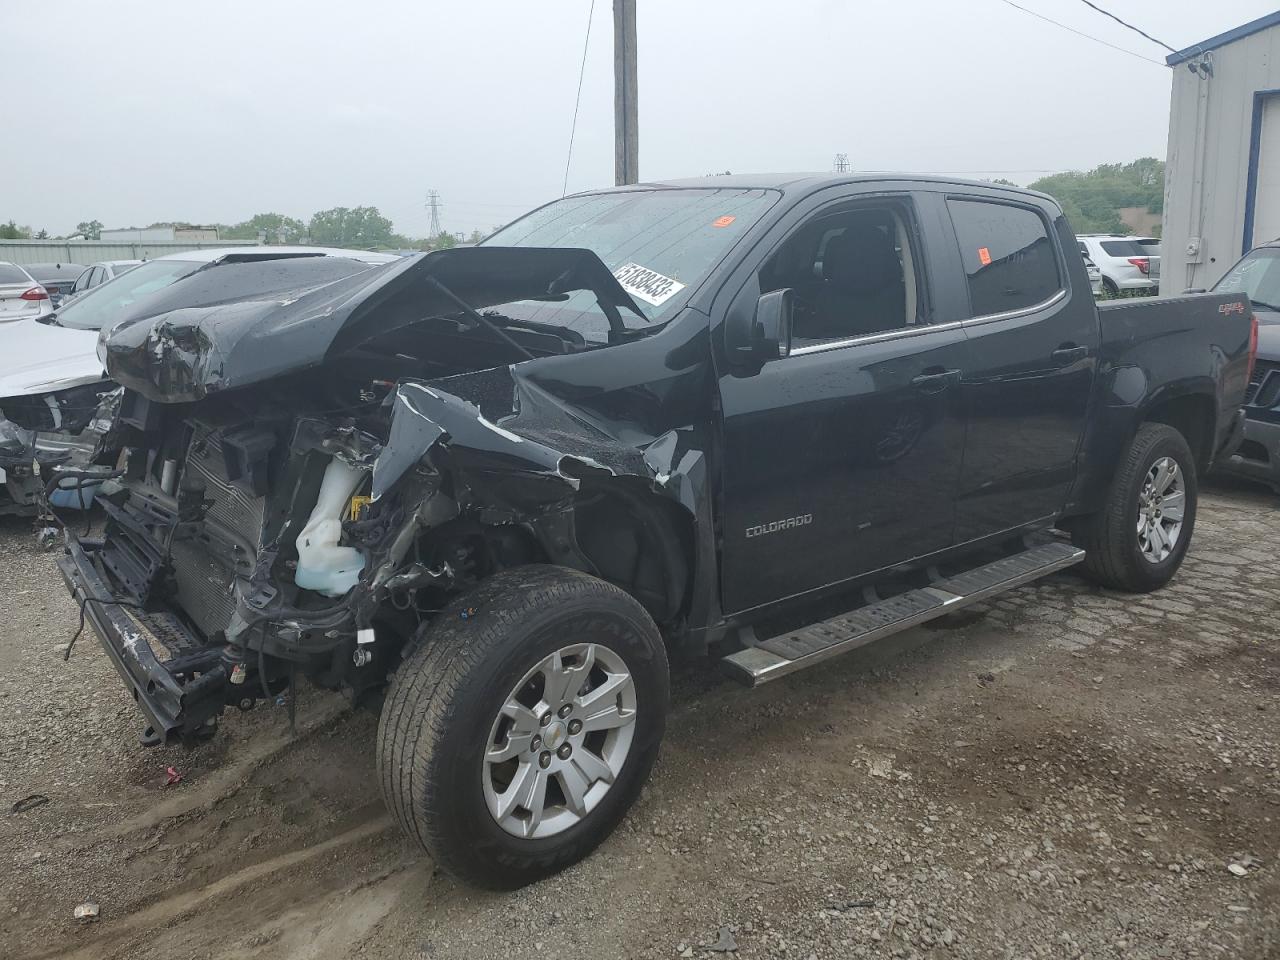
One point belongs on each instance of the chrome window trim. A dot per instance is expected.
(1020, 312)
(912, 331)
(920, 329)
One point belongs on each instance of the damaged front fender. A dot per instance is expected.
(520, 443)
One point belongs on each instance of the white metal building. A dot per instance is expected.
(161, 235)
(1222, 175)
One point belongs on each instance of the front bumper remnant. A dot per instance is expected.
(180, 693)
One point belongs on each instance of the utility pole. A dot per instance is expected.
(433, 204)
(626, 123)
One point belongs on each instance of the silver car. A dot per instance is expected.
(99, 273)
(1095, 275)
(21, 298)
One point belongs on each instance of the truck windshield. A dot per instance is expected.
(1257, 276)
(659, 244)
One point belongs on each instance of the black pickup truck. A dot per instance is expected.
(493, 489)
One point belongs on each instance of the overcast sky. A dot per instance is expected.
(132, 112)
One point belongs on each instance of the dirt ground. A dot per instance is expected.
(1063, 773)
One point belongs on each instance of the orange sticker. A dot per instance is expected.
(984, 255)
(723, 221)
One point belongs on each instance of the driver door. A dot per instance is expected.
(843, 457)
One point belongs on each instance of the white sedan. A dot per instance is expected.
(21, 297)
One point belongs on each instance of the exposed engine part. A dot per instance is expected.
(43, 435)
(323, 565)
(168, 475)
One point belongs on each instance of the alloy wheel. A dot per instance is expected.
(559, 741)
(1161, 507)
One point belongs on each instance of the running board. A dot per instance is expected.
(789, 652)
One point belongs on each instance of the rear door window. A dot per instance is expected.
(1009, 258)
(1123, 248)
(11, 274)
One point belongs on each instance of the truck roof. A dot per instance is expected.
(797, 184)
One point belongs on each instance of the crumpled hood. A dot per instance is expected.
(40, 358)
(187, 353)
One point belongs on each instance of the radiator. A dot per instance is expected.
(204, 565)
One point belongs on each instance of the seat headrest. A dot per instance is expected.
(861, 260)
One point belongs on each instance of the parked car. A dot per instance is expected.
(1257, 276)
(56, 278)
(501, 484)
(21, 296)
(1151, 247)
(1125, 262)
(95, 275)
(1095, 275)
(55, 399)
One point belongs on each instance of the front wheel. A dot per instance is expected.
(520, 730)
(1137, 541)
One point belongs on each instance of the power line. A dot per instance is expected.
(1080, 33)
(582, 71)
(1108, 13)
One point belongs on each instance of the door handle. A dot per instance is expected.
(1069, 353)
(935, 380)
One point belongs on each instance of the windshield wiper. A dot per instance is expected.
(478, 317)
(1264, 305)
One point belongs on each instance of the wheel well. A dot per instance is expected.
(638, 541)
(1193, 417)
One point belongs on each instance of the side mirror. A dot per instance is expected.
(767, 335)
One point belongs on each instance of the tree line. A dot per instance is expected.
(355, 227)
(1093, 199)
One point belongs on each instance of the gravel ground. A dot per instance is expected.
(1063, 773)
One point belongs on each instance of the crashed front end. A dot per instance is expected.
(304, 511)
(55, 447)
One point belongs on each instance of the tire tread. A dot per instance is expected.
(431, 686)
(1107, 537)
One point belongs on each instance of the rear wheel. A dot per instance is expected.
(1110, 289)
(521, 729)
(1138, 540)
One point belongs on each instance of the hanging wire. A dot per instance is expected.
(1079, 33)
(1130, 26)
(582, 71)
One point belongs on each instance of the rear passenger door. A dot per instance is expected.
(1033, 337)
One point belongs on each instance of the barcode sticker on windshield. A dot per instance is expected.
(649, 285)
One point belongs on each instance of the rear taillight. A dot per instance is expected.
(1142, 263)
(36, 293)
(1253, 346)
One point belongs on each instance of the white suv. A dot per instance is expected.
(1127, 263)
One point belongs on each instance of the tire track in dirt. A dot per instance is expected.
(126, 932)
